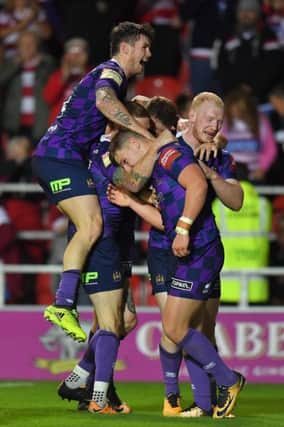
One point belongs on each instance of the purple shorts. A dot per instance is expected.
(196, 275)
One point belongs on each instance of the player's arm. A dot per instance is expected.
(229, 191)
(112, 108)
(135, 180)
(195, 185)
(148, 212)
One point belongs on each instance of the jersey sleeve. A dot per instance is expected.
(110, 77)
(227, 168)
(174, 159)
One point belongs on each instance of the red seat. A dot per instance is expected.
(166, 86)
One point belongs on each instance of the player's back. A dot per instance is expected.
(80, 123)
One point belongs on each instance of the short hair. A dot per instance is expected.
(165, 110)
(139, 112)
(119, 141)
(128, 32)
(206, 96)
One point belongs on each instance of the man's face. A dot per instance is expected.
(139, 54)
(248, 19)
(207, 121)
(129, 155)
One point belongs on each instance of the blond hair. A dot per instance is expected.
(202, 97)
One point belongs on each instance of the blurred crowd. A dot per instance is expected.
(234, 48)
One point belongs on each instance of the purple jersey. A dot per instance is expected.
(80, 124)
(223, 164)
(116, 220)
(173, 158)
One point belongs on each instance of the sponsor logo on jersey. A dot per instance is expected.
(108, 73)
(181, 284)
(59, 185)
(168, 157)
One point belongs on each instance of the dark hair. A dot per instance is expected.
(165, 110)
(183, 102)
(247, 105)
(128, 32)
(138, 111)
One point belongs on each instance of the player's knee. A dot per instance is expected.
(173, 333)
(113, 325)
(91, 229)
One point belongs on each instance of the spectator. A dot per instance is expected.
(17, 168)
(249, 133)
(19, 16)
(25, 111)
(62, 81)
(93, 21)
(208, 20)
(246, 243)
(274, 18)
(250, 48)
(163, 15)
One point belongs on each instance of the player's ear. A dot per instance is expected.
(124, 48)
(192, 116)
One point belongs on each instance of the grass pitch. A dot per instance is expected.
(36, 404)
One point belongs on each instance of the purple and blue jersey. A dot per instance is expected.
(80, 124)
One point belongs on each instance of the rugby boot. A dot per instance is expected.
(194, 411)
(67, 320)
(115, 402)
(94, 408)
(227, 397)
(172, 406)
(80, 393)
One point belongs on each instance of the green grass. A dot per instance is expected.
(37, 405)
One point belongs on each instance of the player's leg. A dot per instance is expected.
(68, 184)
(190, 288)
(204, 386)
(161, 265)
(108, 306)
(129, 323)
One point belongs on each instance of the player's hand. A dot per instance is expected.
(221, 141)
(204, 151)
(164, 138)
(142, 100)
(208, 172)
(182, 125)
(180, 245)
(117, 196)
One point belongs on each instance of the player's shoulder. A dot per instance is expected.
(110, 70)
(169, 153)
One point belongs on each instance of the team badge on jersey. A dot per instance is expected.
(112, 75)
(168, 157)
(106, 160)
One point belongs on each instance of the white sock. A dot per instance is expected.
(100, 393)
(77, 378)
